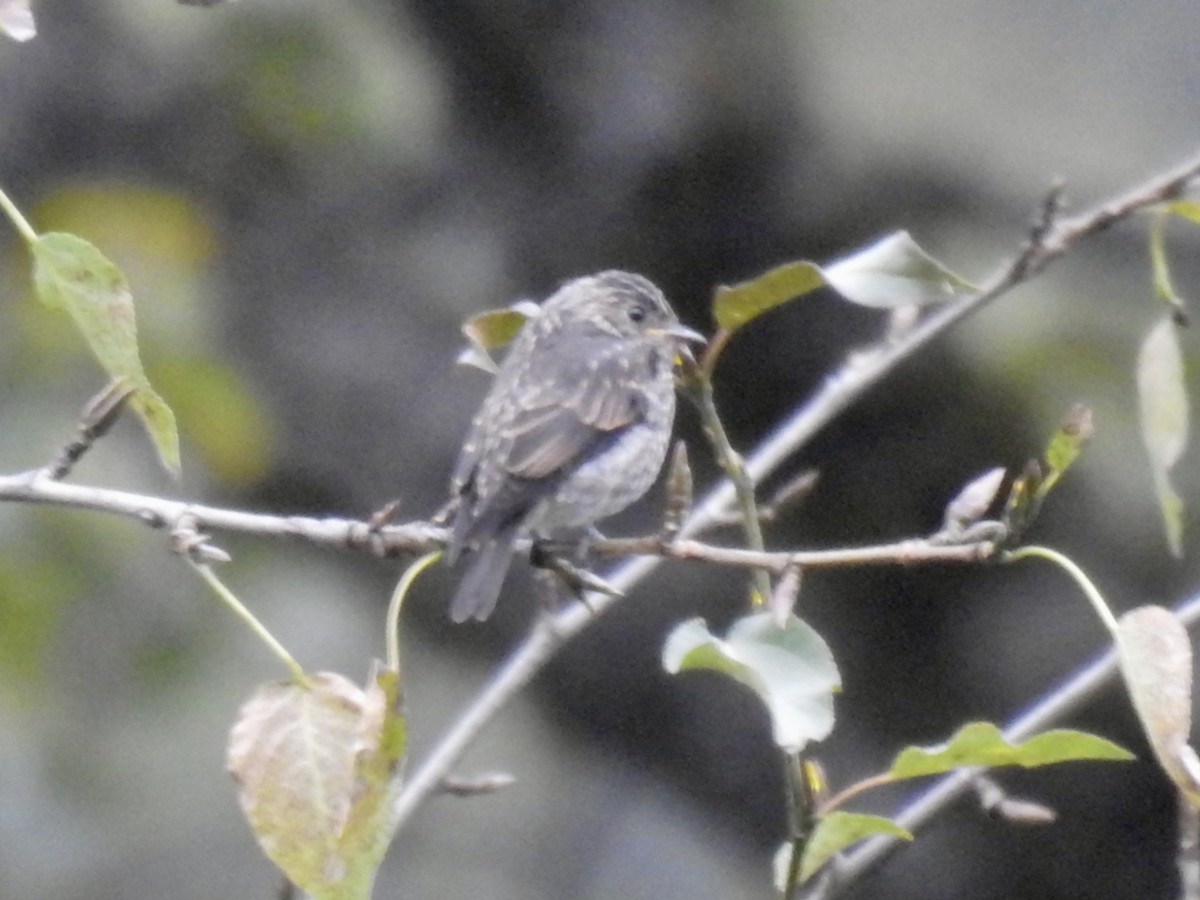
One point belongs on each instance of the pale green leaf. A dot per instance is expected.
(734, 306)
(983, 744)
(1065, 446)
(894, 272)
(1155, 654)
(159, 420)
(1163, 400)
(318, 768)
(791, 669)
(71, 274)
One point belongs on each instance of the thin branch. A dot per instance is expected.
(99, 415)
(163, 513)
(917, 551)
(475, 785)
(998, 803)
(421, 537)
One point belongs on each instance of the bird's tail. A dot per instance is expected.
(480, 587)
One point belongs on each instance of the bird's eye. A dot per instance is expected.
(637, 313)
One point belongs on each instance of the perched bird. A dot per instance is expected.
(574, 429)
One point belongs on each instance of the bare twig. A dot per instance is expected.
(1000, 804)
(791, 493)
(98, 416)
(475, 785)
(159, 512)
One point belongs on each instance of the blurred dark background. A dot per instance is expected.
(308, 199)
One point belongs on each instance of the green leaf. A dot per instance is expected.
(1038, 478)
(734, 306)
(71, 274)
(791, 669)
(1065, 446)
(318, 768)
(1160, 271)
(895, 272)
(834, 833)
(891, 272)
(982, 744)
(1155, 654)
(491, 330)
(1163, 401)
(494, 328)
(16, 19)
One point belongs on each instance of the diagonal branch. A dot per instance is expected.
(1051, 238)
(1054, 706)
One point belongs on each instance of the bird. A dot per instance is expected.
(574, 429)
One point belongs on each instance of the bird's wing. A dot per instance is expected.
(561, 408)
(567, 418)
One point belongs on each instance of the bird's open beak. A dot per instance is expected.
(681, 332)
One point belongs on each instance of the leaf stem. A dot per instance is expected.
(842, 797)
(716, 346)
(239, 610)
(799, 820)
(19, 221)
(398, 595)
(734, 467)
(1085, 584)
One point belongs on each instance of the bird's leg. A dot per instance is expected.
(548, 589)
(577, 578)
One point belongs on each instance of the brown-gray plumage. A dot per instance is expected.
(574, 429)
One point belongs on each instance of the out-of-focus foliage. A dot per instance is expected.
(16, 20)
(1155, 653)
(1164, 405)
